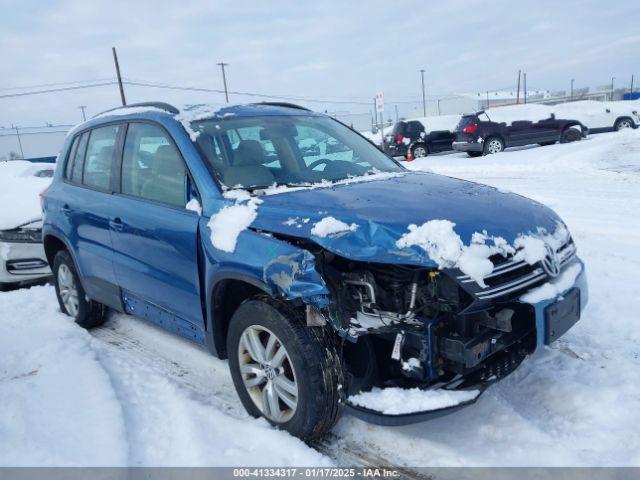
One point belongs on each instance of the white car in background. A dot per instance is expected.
(601, 116)
(22, 258)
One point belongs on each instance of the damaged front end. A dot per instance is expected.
(417, 327)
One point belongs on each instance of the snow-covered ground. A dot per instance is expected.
(129, 393)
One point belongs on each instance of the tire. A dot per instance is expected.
(419, 151)
(623, 123)
(492, 145)
(71, 296)
(570, 135)
(544, 144)
(474, 154)
(310, 366)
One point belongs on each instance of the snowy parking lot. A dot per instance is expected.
(131, 394)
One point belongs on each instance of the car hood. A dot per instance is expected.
(384, 209)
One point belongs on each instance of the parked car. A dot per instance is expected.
(22, 258)
(601, 117)
(318, 278)
(477, 135)
(409, 139)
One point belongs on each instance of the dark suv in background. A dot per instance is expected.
(478, 136)
(410, 139)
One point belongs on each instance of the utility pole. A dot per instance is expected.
(375, 114)
(631, 89)
(487, 106)
(518, 93)
(19, 142)
(115, 59)
(524, 75)
(424, 101)
(82, 108)
(572, 88)
(396, 107)
(612, 80)
(438, 107)
(224, 80)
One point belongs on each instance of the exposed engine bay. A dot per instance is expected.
(414, 326)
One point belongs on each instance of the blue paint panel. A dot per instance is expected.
(161, 317)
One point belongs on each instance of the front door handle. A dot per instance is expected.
(116, 224)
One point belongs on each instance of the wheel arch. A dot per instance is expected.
(227, 292)
(625, 117)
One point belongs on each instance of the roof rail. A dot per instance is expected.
(283, 104)
(161, 105)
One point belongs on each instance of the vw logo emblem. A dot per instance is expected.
(551, 262)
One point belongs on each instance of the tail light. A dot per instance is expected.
(399, 139)
(41, 195)
(470, 128)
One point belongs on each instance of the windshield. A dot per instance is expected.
(258, 152)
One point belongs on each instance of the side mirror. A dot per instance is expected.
(553, 116)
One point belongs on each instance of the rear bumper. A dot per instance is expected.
(22, 262)
(467, 146)
(396, 150)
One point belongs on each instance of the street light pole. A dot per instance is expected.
(19, 142)
(224, 80)
(572, 88)
(612, 88)
(82, 108)
(424, 101)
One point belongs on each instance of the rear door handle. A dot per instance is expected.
(116, 224)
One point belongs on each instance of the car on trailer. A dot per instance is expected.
(322, 269)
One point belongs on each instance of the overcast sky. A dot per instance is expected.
(337, 50)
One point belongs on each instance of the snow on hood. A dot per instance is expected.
(19, 190)
(379, 214)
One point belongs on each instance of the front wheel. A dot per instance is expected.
(623, 123)
(71, 296)
(283, 370)
(493, 145)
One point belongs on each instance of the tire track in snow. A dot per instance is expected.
(208, 380)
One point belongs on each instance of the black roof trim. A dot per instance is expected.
(283, 104)
(161, 105)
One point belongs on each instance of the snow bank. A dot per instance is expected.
(555, 287)
(19, 190)
(58, 404)
(398, 401)
(330, 226)
(232, 220)
(439, 122)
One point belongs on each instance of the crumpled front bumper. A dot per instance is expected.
(508, 363)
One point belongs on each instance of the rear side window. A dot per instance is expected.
(414, 127)
(100, 156)
(467, 120)
(152, 167)
(78, 158)
(72, 153)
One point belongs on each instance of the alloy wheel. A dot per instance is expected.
(495, 146)
(624, 124)
(267, 373)
(419, 152)
(68, 290)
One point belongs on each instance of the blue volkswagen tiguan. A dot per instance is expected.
(284, 241)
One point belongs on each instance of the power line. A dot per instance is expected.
(52, 90)
(73, 82)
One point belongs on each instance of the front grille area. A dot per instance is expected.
(510, 278)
